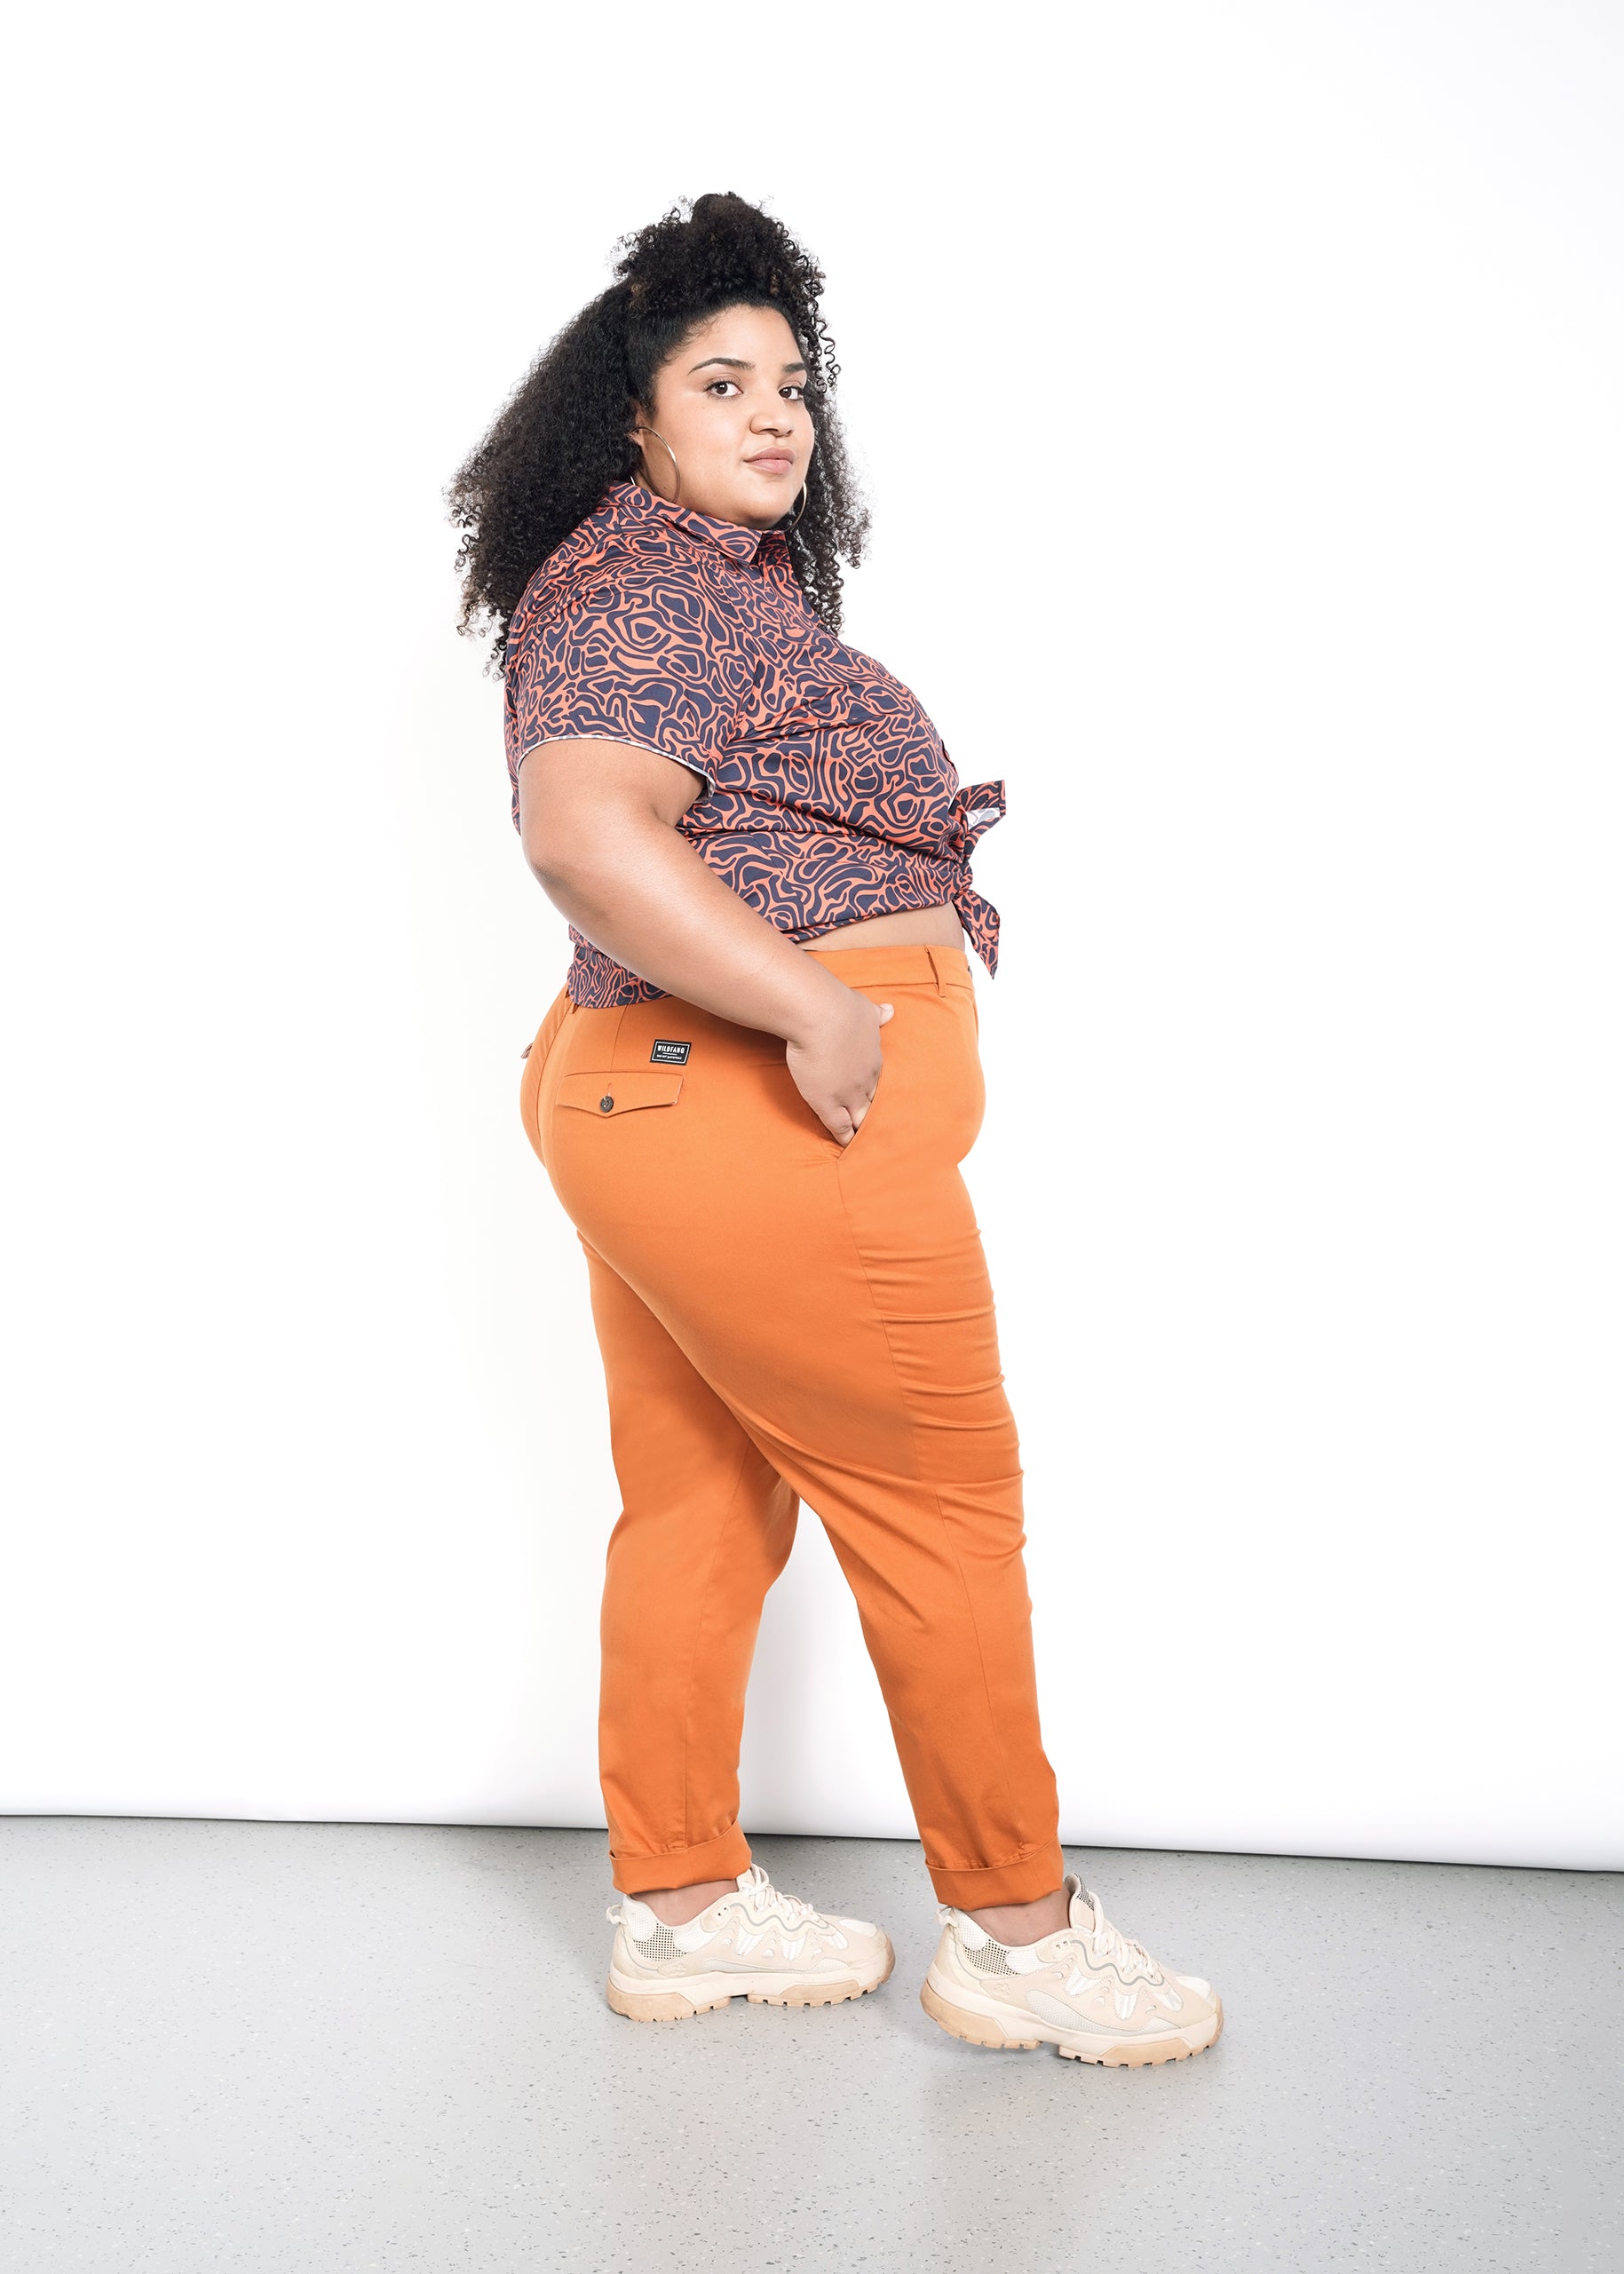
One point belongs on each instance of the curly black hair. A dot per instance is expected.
(561, 439)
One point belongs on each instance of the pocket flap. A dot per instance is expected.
(624, 1091)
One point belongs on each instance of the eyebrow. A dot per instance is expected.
(736, 363)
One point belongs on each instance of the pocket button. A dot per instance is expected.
(605, 1104)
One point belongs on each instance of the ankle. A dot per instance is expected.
(674, 1906)
(1015, 1923)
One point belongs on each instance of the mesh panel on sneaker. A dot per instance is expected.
(660, 1944)
(991, 1958)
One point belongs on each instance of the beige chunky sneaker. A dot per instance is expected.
(1086, 1990)
(758, 1944)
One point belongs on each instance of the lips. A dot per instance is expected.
(771, 462)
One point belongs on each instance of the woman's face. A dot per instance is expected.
(729, 404)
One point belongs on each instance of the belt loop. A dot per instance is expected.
(936, 968)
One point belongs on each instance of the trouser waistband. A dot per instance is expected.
(900, 966)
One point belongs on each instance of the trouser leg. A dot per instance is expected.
(871, 1379)
(705, 1527)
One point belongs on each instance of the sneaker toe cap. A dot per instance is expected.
(1194, 1981)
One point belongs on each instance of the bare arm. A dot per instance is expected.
(599, 825)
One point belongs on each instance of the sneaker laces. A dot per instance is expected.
(759, 1889)
(1113, 1947)
(1110, 1945)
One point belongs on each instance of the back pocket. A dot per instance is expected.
(628, 1089)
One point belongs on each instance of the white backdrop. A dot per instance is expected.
(1239, 392)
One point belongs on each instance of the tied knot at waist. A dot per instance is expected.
(976, 807)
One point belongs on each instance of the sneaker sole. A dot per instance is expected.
(1073, 2045)
(709, 1993)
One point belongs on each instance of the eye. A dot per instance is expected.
(795, 391)
(716, 384)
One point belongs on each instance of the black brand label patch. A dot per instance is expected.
(669, 1053)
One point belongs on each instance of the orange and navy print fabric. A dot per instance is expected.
(828, 794)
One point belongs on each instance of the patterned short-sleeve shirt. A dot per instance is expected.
(828, 794)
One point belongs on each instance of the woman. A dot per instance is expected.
(752, 1097)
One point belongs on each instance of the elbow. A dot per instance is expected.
(554, 863)
(561, 838)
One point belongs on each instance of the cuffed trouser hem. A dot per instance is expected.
(723, 1857)
(1023, 1881)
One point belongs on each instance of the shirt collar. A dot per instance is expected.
(636, 504)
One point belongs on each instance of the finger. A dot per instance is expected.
(885, 1012)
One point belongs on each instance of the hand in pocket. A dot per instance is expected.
(836, 1068)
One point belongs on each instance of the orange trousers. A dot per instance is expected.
(781, 1319)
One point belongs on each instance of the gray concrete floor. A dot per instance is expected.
(299, 2047)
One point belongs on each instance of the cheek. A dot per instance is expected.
(703, 430)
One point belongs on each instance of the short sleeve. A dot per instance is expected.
(644, 657)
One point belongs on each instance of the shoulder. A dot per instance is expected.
(593, 552)
(621, 615)
(605, 571)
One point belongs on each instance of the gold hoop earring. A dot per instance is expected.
(670, 453)
(800, 507)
